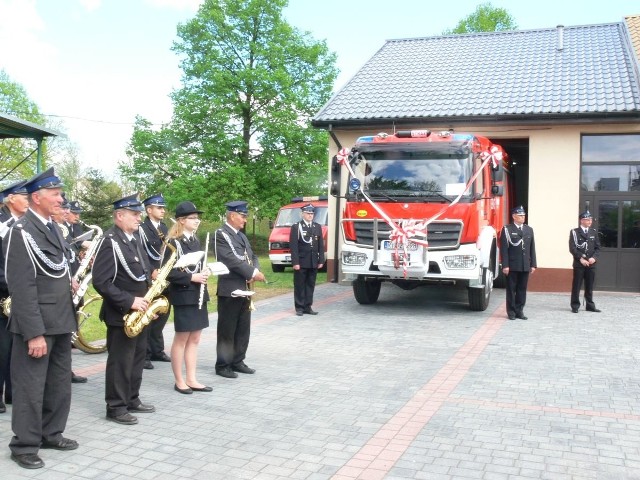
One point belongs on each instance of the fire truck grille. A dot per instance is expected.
(441, 235)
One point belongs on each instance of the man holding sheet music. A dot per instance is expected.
(232, 248)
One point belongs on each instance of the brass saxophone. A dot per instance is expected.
(135, 321)
(83, 275)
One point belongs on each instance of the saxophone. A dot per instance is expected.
(135, 321)
(83, 275)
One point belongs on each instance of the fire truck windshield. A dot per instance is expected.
(415, 173)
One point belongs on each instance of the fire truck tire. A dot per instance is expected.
(366, 293)
(277, 268)
(479, 297)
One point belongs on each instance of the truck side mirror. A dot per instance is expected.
(334, 187)
(497, 190)
(497, 173)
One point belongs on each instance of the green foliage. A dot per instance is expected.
(241, 126)
(15, 101)
(485, 18)
(96, 197)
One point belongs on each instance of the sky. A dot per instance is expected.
(94, 65)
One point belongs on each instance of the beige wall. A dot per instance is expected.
(554, 179)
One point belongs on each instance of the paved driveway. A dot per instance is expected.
(416, 386)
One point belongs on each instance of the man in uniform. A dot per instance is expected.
(518, 251)
(584, 245)
(307, 256)
(42, 319)
(75, 226)
(234, 315)
(121, 275)
(153, 233)
(16, 203)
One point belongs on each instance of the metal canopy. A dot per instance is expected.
(14, 127)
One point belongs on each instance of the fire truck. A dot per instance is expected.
(418, 208)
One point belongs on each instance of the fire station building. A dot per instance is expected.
(563, 102)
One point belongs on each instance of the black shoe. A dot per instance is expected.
(202, 389)
(226, 372)
(574, 310)
(77, 378)
(142, 408)
(594, 310)
(522, 316)
(3, 407)
(512, 317)
(124, 419)
(161, 357)
(186, 391)
(148, 365)
(27, 460)
(242, 368)
(310, 312)
(62, 444)
(299, 313)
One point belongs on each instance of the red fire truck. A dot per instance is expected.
(421, 207)
(279, 250)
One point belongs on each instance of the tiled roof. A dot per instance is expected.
(633, 27)
(495, 75)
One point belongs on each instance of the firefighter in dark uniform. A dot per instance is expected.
(584, 245)
(307, 256)
(153, 233)
(233, 249)
(518, 251)
(121, 275)
(42, 319)
(16, 203)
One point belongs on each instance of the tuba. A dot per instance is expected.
(135, 321)
(83, 275)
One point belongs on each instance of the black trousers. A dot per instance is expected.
(155, 342)
(304, 283)
(6, 339)
(516, 292)
(123, 377)
(41, 393)
(588, 274)
(234, 329)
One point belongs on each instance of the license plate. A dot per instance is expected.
(287, 258)
(389, 245)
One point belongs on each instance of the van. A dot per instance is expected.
(279, 251)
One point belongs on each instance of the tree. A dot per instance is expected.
(241, 124)
(485, 18)
(17, 155)
(96, 195)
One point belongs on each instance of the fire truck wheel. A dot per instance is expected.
(277, 268)
(366, 292)
(479, 297)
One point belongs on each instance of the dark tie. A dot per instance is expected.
(50, 226)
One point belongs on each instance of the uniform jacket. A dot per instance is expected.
(228, 246)
(182, 291)
(307, 245)
(67, 229)
(111, 280)
(518, 248)
(583, 245)
(40, 304)
(5, 219)
(153, 240)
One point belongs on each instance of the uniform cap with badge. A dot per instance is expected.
(585, 214)
(74, 206)
(17, 188)
(519, 210)
(130, 202)
(238, 206)
(309, 208)
(156, 200)
(46, 179)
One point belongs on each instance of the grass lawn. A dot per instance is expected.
(277, 284)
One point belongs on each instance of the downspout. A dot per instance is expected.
(336, 233)
(39, 155)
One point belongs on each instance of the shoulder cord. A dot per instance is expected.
(233, 249)
(196, 268)
(152, 252)
(506, 234)
(35, 253)
(301, 234)
(117, 251)
(579, 246)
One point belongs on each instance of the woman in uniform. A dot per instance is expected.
(190, 315)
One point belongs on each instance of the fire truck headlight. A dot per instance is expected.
(460, 262)
(354, 184)
(354, 258)
(275, 246)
